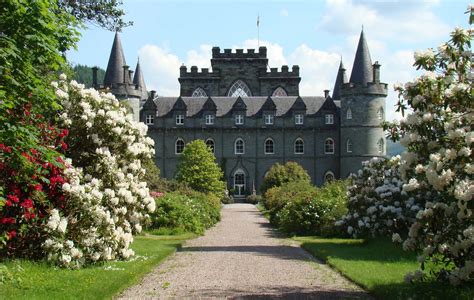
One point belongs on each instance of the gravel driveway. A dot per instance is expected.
(242, 257)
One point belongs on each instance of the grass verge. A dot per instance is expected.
(379, 266)
(23, 279)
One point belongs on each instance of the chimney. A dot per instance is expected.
(130, 76)
(153, 93)
(94, 76)
(125, 74)
(376, 72)
(326, 93)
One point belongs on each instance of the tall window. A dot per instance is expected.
(239, 119)
(149, 120)
(381, 145)
(349, 114)
(179, 146)
(268, 119)
(239, 88)
(239, 146)
(299, 146)
(380, 113)
(179, 119)
(329, 118)
(349, 145)
(328, 177)
(199, 92)
(329, 146)
(279, 92)
(269, 149)
(209, 119)
(299, 118)
(210, 144)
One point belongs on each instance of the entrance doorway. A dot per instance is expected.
(239, 183)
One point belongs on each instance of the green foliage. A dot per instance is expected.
(197, 168)
(254, 199)
(152, 175)
(191, 212)
(83, 74)
(280, 174)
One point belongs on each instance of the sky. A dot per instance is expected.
(312, 34)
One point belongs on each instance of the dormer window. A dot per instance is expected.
(209, 119)
(179, 119)
(299, 118)
(239, 119)
(149, 120)
(329, 119)
(268, 119)
(349, 114)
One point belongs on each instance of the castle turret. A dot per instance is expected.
(114, 72)
(139, 82)
(341, 78)
(362, 112)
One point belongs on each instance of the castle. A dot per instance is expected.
(252, 117)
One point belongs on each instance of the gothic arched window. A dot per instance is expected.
(179, 146)
(329, 146)
(381, 145)
(239, 146)
(349, 114)
(380, 114)
(279, 92)
(269, 146)
(239, 88)
(210, 144)
(299, 146)
(329, 176)
(199, 92)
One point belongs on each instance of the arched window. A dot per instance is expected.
(329, 176)
(239, 88)
(329, 146)
(380, 114)
(279, 92)
(269, 149)
(210, 144)
(299, 146)
(239, 146)
(349, 114)
(381, 145)
(239, 182)
(349, 145)
(199, 92)
(179, 146)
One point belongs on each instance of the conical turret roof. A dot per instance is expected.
(114, 72)
(341, 78)
(362, 68)
(139, 81)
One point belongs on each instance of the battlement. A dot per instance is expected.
(285, 72)
(372, 88)
(239, 53)
(183, 72)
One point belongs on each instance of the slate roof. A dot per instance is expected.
(114, 72)
(362, 68)
(341, 78)
(224, 105)
(139, 81)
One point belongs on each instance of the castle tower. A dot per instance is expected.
(362, 111)
(139, 82)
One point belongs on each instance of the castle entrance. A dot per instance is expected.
(239, 183)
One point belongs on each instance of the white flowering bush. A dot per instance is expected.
(438, 134)
(106, 199)
(376, 202)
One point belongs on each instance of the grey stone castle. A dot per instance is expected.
(252, 117)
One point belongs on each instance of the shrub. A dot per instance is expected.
(254, 199)
(280, 174)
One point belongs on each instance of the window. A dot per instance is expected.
(210, 144)
(299, 119)
(349, 114)
(239, 88)
(381, 145)
(209, 119)
(239, 119)
(179, 119)
(269, 149)
(329, 146)
(328, 177)
(349, 145)
(380, 113)
(329, 119)
(149, 120)
(179, 146)
(299, 146)
(239, 146)
(268, 119)
(279, 92)
(199, 92)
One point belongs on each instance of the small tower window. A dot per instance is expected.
(380, 114)
(381, 146)
(268, 119)
(328, 177)
(179, 146)
(179, 119)
(299, 118)
(329, 119)
(269, 149)
(239, 89)
(299, 146)
(349, 146)
(349, 114)
(210, 144)
(209, 119)
(239, 119)
(279, 92)
(239, 146)
(329, 146)
(199, 92)
(149, 120)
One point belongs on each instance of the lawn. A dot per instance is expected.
(38, 280)
(379, 266)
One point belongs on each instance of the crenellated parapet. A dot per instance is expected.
(239, 53)
(195, 73)
(284, 73)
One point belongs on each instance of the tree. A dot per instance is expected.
(280, 174)
(197, 168)
(83, 74)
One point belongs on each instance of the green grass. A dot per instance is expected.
(379, 266)
(38, 280)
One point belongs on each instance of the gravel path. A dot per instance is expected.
(242, 257)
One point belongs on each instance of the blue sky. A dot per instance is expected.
(312, 34)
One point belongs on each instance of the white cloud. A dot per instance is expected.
(284, 12)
